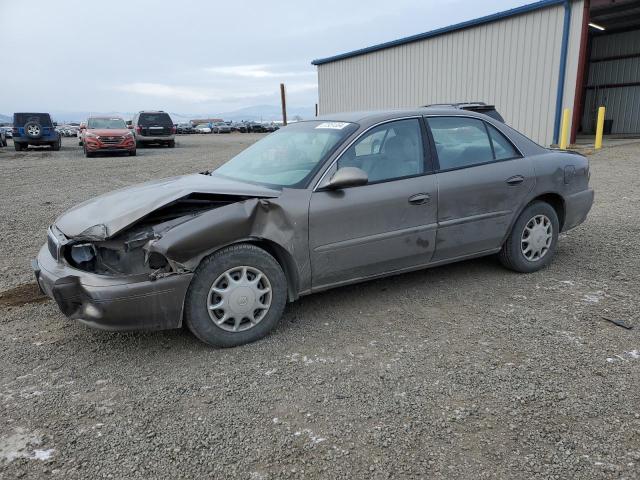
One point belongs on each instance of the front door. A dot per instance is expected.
(388, 224)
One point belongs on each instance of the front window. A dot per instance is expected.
(106, 123)
(387, 152)
(290, 156)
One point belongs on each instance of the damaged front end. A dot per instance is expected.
(132, 278)
(130, 251)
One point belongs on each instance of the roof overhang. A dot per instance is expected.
(441, 31)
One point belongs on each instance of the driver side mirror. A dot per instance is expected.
(347, 177)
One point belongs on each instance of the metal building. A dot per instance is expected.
(531, 62)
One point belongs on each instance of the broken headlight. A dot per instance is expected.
(83, 253)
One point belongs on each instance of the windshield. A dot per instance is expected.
(289, 156)
(106, 123)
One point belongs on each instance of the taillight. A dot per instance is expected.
(173, 129)
(139, 129)
(15, 130)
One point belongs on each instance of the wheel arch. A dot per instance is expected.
(277, 251)
(556, 201)
(284, 258)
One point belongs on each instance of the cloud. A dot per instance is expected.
(256, 71)
(187, 94)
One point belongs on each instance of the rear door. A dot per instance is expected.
(482, 180)
(388, 224)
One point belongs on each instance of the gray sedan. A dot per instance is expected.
(315, 205)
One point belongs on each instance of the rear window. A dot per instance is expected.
(149, 119)
(20, 119)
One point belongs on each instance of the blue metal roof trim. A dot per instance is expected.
(440, 31)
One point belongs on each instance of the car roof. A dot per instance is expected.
(105, 117)
(373, 116)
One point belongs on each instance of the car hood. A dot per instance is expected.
(103, 217)
(108, 132)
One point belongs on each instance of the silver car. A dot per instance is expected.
(317, 204)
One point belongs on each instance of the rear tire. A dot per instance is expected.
(533, 240)
(244, 261)
(171, 144)
(18, 146)
(57, 145)
(132, 153)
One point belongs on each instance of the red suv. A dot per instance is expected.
(107, 134)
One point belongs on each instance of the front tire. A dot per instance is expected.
(533, 240)
(237, 296)
(132, 153)
(171, 144)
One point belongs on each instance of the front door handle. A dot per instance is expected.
(419, 198)
(515, 180)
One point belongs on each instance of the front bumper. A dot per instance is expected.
(577, 207)
(95, 145)
(112, 303)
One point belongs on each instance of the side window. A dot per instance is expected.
(502, 147)
(389, 151)
(460, 141)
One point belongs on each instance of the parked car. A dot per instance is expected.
(220, 127)
(317, 204)
(107, 135)
(3, 138)
(8, 131)
(202, 128)
(256, 127)
(154, 127)
(272, 127)
(184, 128)
(34, 129)
(239, 127)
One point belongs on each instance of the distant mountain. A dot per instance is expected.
(266, 113)
(257, 113)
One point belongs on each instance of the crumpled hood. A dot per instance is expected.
(104, 216)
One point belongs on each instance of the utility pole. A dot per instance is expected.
(284, 104)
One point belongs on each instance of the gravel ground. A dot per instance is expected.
(463, 371)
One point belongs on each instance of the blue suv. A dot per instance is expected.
(34, 129)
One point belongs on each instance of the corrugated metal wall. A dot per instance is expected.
(622, 103)
(512, 63)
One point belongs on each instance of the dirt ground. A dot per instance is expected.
(462, 371)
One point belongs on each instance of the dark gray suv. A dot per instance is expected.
(154, 127)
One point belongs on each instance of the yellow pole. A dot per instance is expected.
(600, 127)
(565, 129)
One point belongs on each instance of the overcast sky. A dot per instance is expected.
(194, 56)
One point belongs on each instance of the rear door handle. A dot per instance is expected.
(419, 198)
(515, 180)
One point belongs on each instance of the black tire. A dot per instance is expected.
(132, 153)
(196, 310)
(171, 144)
(57, 145)
(87, 153)
(512, 257)
(19, 147)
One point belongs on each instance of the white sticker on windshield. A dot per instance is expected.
(333, 125)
